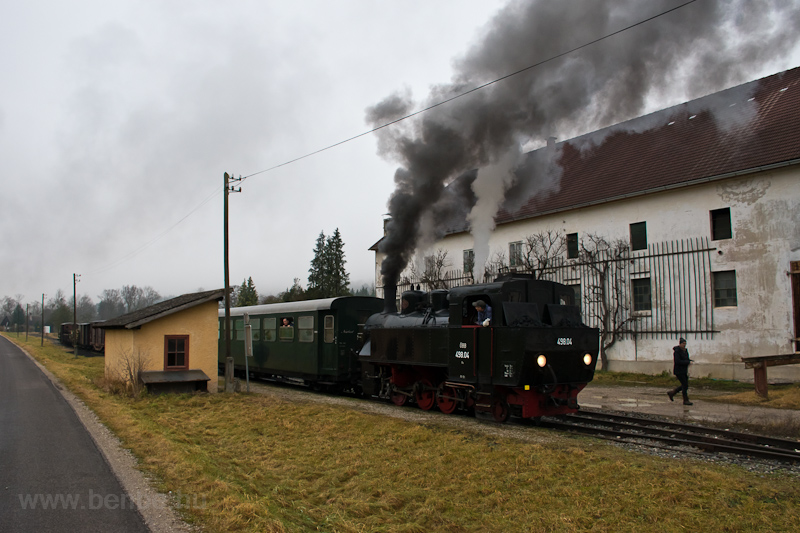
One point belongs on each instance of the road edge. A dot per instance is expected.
(155, 507)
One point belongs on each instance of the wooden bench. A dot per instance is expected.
(759, 364)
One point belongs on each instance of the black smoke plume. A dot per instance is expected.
(693, 50)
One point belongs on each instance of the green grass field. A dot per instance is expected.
(254, 462)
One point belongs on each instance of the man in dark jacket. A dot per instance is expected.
(680, 356)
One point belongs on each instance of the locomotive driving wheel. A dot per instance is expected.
(446, 399)
(500, 410)
(425, 395)
(398, 398)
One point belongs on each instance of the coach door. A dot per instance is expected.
(796, 302)
(328, 345)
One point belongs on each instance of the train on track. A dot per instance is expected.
(530, 360)
(89, 335)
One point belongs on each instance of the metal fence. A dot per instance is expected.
(661, 292)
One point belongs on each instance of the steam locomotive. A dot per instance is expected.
(532, 359)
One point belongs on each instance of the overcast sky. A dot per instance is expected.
(118, 120)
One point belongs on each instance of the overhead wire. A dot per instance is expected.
(390, 123)
(474, 89)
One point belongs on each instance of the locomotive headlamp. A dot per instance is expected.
(541, 361)
(587, 359)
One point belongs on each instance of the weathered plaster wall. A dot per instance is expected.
(765, 211)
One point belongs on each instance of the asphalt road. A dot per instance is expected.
(52, 476)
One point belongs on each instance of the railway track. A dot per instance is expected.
(672, 435)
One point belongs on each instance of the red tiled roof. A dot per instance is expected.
(740, 129)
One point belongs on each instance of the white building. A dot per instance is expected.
(706, 197)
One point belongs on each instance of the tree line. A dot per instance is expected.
(60, 308)
(327, 278)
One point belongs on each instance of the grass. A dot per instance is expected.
(253, 462)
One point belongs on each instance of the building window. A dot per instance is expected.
(515, 254)
(639, 236)
(176, 352)
(572, 245)
(721, 224)
(577, 290)
(469, 261)
(306, 328)
(724, 284)
(641, 294)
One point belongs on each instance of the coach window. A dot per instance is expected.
(305, 326)
(176, 352)
(238, 329)
(572, 245)
(329, 334)
(255, 327)
(270, 324)
(286, 329)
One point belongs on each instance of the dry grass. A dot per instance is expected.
(258, 463)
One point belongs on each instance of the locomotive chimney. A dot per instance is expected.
(389, 299)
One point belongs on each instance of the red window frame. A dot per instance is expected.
(176, 351)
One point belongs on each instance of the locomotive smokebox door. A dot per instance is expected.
(462, 358)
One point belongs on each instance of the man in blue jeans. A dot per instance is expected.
(680, 356)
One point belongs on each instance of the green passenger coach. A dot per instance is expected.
(313, 342)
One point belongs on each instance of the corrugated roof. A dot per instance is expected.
(136, 319)
(739, 130)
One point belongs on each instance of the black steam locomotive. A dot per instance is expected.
(531, 359)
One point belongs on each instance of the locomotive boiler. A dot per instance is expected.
(531, 359)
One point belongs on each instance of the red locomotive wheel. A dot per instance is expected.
(426, 397)
(399, 399)
(500, 410)
(446, 399)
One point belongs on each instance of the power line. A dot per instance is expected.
(155, 239)
(386, 125)
(474, 89)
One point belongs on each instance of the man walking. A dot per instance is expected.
(680, 356)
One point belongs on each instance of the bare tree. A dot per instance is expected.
(542, 250)
(131, 295)
(126, 374)
(435, 266)
(149, 296)
(608, 303)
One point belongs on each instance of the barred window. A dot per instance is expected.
(641, 294)
(639, 236)
(724, 284)
(469, 261)
(572, 245)
(515, 254)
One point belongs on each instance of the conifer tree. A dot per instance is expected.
(247, 294)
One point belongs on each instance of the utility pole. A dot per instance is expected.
(228, 357)
(42, 319)
(75, 312)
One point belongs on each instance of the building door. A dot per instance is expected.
(795, 273)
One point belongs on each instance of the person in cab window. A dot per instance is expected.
(484, 317)
(285, 323)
